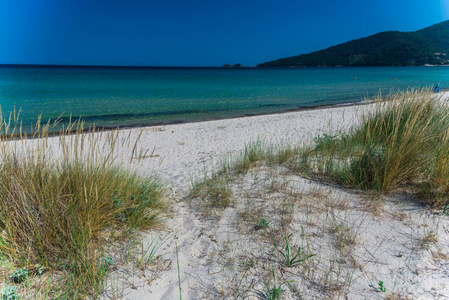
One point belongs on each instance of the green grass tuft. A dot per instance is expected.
(58, 212)
(400, 143)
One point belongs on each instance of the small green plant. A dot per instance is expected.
(247, 265)
(19, 275)
(108, 262)
(154, 247)
(291, 260)
(262, 225)
(39, 269)
(10, 293)
(445, 210)
(382, 287)
(272, 292)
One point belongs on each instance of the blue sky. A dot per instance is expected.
(197, 32)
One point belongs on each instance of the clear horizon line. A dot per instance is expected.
(113, 66)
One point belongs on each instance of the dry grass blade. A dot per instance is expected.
(60, 196)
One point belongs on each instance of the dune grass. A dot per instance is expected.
(399, 143)
(60, 207)
(215, 188)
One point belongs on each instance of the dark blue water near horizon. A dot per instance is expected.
(127, 96)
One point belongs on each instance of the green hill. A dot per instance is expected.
(391, 48)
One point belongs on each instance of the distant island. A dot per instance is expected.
(233, 66)
(428, 46)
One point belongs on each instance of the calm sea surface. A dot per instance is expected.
(112, 97)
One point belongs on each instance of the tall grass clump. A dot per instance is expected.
(63, 197)
(400, 141)
(216, 189)
(253, 153)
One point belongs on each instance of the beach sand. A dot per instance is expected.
(356, 245)
(185, 152)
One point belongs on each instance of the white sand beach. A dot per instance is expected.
(212, 248)
(389, 248)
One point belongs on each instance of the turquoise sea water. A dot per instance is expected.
(111, 97)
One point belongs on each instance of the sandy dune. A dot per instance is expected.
(213, 246)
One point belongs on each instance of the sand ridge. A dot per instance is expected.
(181, 153)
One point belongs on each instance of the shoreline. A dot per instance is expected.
(247, 115)
(444, 93)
